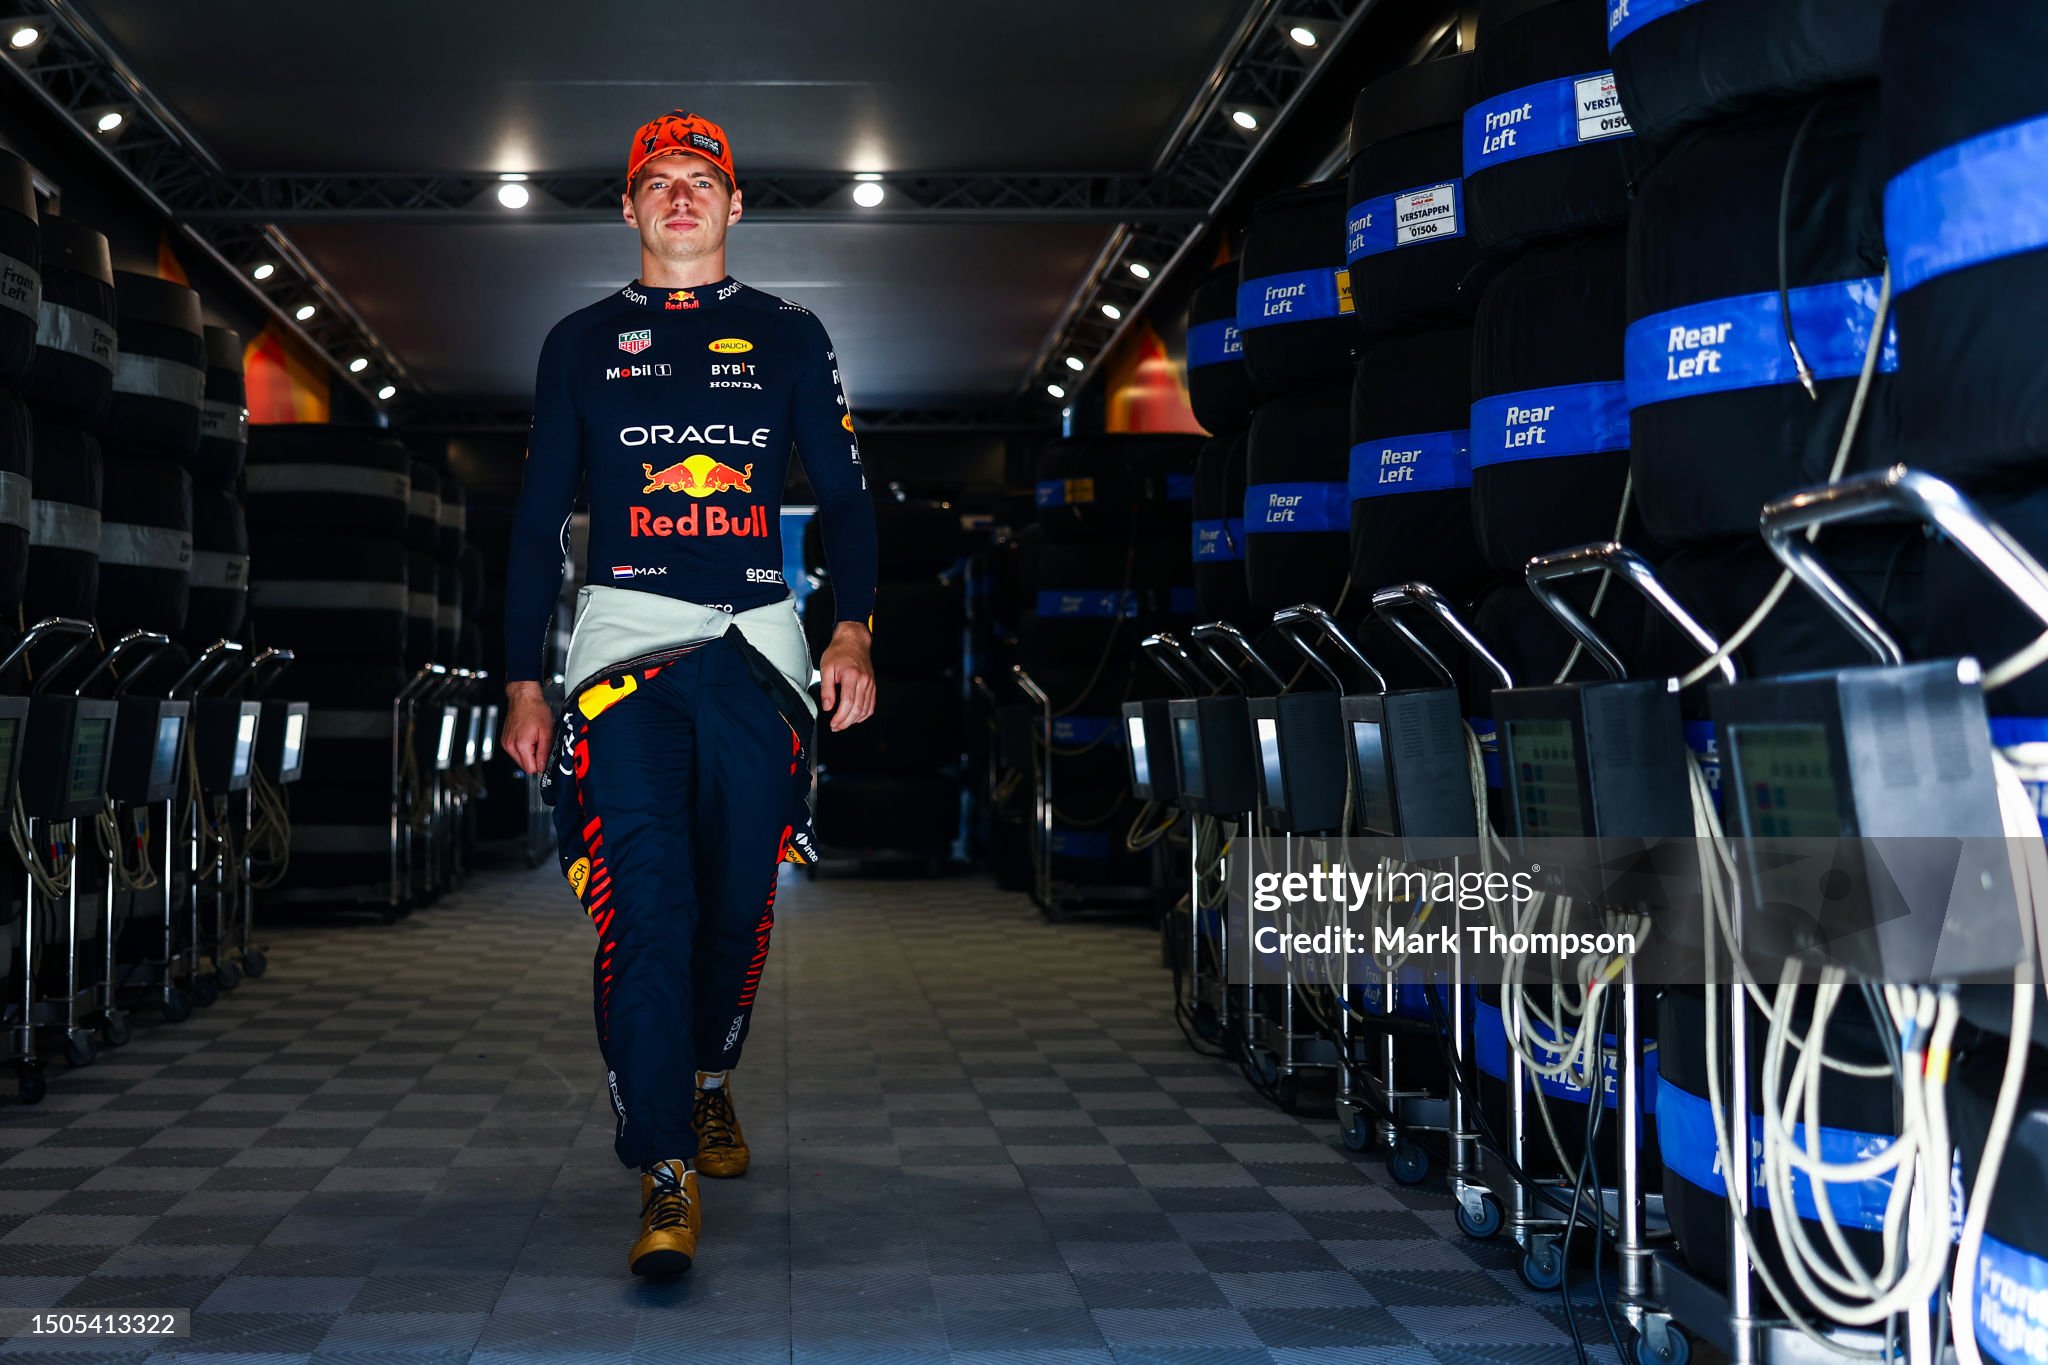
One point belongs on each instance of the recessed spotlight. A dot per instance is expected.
(25, 36)
(358, 365)
(1055, 390)
(1140, 269)
(263, 272)
(867, 194)
(109, 121)
(1074, 364)
(1305, 36)
(867, 175)
(1111, 311)
(306, 310)
(513, 195)
(1245, 119)
(388, 391)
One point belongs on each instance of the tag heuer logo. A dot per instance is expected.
(633, 343)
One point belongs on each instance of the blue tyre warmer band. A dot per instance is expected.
(1550, 116)
(1430, 462)
(1298, 296)
(1490, 1051)
(1537, 424)
(1294, 507)
(1685, 1137)
(1219, 540)
(1980, 200)
(1739, 342)
(1412, 217)
(2012, 1304)
(1214, 343)
(1626, 16)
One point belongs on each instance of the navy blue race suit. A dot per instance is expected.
(680, 779)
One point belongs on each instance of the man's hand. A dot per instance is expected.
(846, 685)
(529, 726)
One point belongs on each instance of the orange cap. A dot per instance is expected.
(680, 131)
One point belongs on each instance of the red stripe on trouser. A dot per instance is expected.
(761, 934)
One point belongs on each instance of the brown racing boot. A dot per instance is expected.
(721, 1146)
(668, 1220)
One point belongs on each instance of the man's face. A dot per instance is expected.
(681, 207)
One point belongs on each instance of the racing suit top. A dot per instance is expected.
(678, 408)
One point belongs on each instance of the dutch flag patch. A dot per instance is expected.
(622, 571)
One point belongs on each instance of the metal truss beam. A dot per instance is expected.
(1263, 71)
(77, 73)
(800, 197)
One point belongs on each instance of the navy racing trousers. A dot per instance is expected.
(680, 785)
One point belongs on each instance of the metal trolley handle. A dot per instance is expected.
(1385, 603)
(1175, 662)
(1930, 500)
(1545, 571)
(1207, 635)
(49, 626)
(200, 673)
(149, 641)
(1295, 623)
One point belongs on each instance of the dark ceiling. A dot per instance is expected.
(927, 316)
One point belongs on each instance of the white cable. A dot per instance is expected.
(1711, 665)
(1628, 486)
(2029, 859)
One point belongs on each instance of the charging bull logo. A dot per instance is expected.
(699, 476)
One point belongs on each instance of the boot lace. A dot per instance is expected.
(714, 1119)
(668, 1206)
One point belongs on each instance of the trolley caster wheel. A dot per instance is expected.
(177, 1006)
(1408, 1163)
(1542, 1267)
(255, 962)
(115, 1030)
(30, 1085)
(205, 990)
(1486, 1223)
(1358, 1134)
(1677, 1349)
(1207, 1026)
(80, 1049)
(228, 973)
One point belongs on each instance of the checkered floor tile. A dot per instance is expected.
(977, 1137)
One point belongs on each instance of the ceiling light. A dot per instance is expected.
(25, 36)
(306, 310)
(1245, 119)
(358, 365)
(513, 177)
(867, 194)
(1305, 36)
(387, 392)
(1074, 364)
(1111, 311)
(1055, 390)
(109, 121)
(264, 271)
(513, 195)
(868, 175)
(1141, 270)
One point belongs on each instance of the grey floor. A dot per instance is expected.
(977, 1137)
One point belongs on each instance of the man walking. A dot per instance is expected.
(682, 757)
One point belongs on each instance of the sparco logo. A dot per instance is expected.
(764, 575)
(655, 371)
(692, 436)
(611, 1080)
